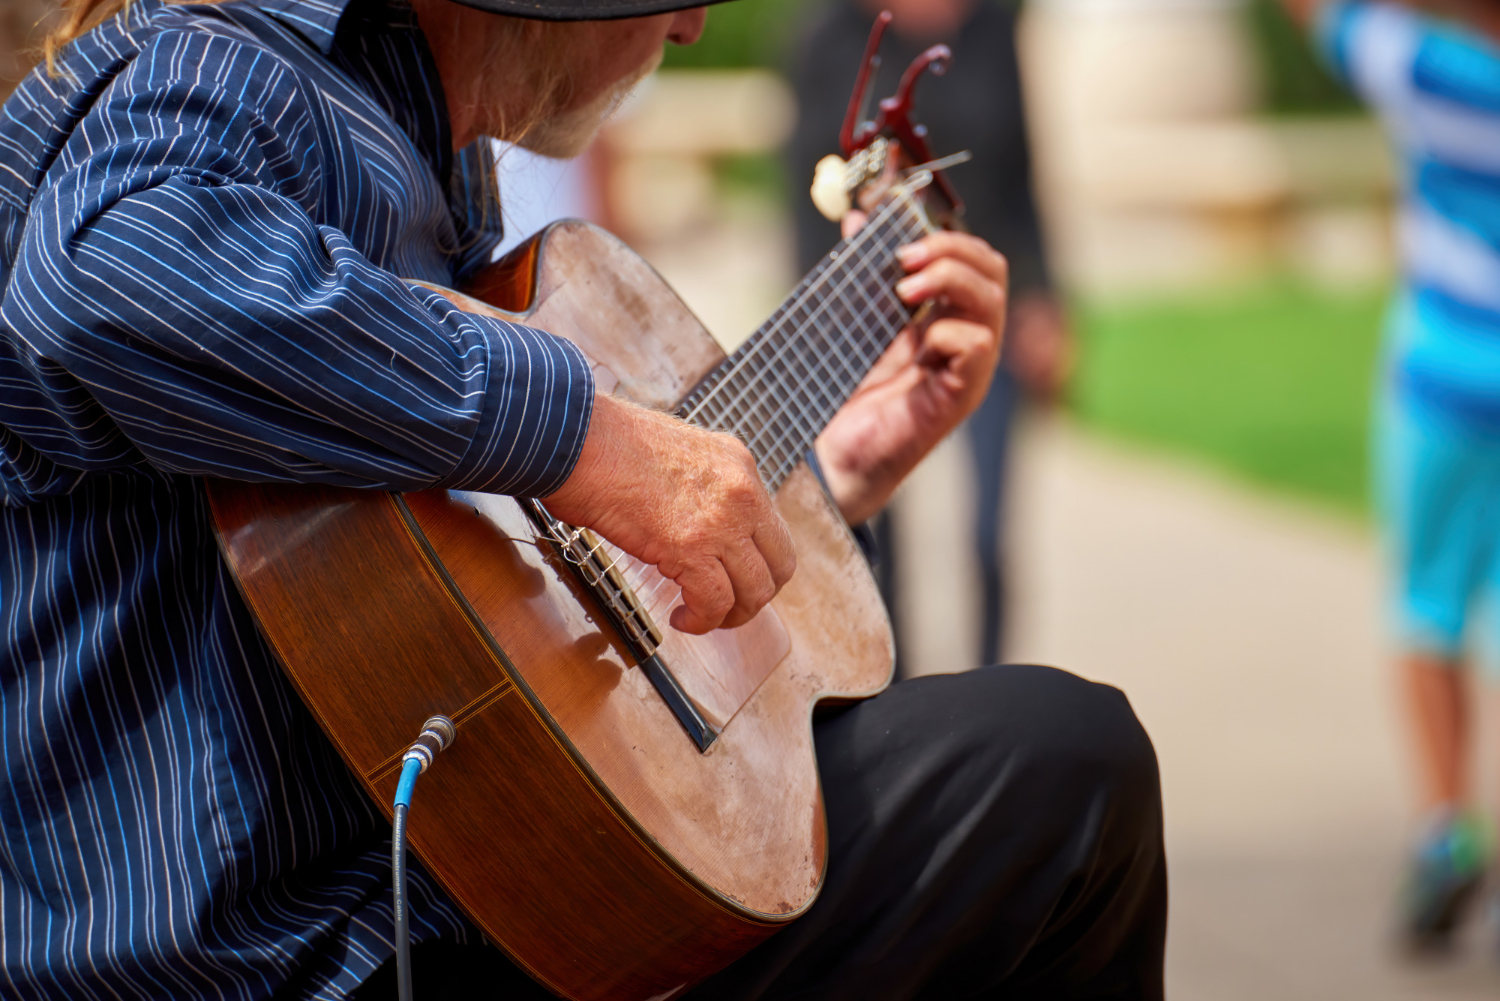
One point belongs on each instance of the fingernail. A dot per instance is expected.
(909, 254)
(908, 288)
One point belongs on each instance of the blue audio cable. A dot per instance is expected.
(437, 734)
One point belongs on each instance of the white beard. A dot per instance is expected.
(566, 134)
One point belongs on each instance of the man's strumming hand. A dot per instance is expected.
(928, 380)
(688, 501)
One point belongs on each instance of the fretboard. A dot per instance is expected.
(783, 385)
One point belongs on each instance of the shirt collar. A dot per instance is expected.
(316, 20)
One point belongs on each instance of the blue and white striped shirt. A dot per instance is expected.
(202, 223)
(1436, 88)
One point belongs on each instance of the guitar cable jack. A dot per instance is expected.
(436, 736)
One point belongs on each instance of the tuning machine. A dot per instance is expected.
(870, 146)
(835, 180)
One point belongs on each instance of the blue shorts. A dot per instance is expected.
(1438, 492)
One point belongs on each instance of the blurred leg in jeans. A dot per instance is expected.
(989, 432)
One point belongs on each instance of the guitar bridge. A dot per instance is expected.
(584, 553)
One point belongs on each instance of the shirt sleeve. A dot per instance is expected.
(176, 300)
(1371, 48)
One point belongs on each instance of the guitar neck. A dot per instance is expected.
(784, 384)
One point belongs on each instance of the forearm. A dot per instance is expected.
(217, 331)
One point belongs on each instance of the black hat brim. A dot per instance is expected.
(583, 10)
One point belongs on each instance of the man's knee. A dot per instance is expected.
(1068, 733)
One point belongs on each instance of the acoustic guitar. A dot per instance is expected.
(626, 808)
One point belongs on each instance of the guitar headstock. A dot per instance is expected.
(881, 152)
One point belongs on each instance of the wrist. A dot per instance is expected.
(858, 495)
(597, 458)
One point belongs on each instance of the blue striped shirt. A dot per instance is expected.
(205, 220)
(1436, 88)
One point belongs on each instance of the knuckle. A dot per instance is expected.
(741, 489)
(994, 297)
(719, 606)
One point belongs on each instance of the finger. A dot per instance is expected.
(965, 289)
(961, 345)
(751, 579)
(852, 223)
(902, 351)
(965, 247)
(707, 597)
(773, 541)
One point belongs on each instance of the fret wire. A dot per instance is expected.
(835, 383)
(803, 433)
(790, 389)
(858, 314)
(789, 432)
(771, 363)
(723, 398)
(863, 316)
(800, 302)
(804, 384)
(869, 306)
(873, 347)
(865, 235)
(828, 406)
(811, 315)
(808, 402)
(789, 421)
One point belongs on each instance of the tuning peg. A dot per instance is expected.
(830, 188)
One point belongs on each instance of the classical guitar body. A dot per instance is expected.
(576, 819)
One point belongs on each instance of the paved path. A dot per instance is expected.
(1245, 630)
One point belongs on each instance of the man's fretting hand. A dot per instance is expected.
(686, 500)
(927, 381)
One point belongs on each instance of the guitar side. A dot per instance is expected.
(573, 819)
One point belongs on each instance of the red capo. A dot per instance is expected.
(894, 117)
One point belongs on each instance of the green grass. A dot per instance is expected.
(1271, 383)
(742, 34)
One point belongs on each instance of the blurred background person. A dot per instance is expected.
(1436, 87)
(976, 106)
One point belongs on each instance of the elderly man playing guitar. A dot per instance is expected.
(204, 211)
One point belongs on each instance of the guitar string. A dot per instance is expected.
(848, 273)
(868, 317)
(764, 402)
(800, 343)
(728, 407)
(862, 321)
(802, 427)
(863, 270)
(865, 235)
(843, 271)
(659, 585)
(768, 411)
(852, 262)
(857, 313)
(857, 275)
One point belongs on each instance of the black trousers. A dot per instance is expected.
(995, 834)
